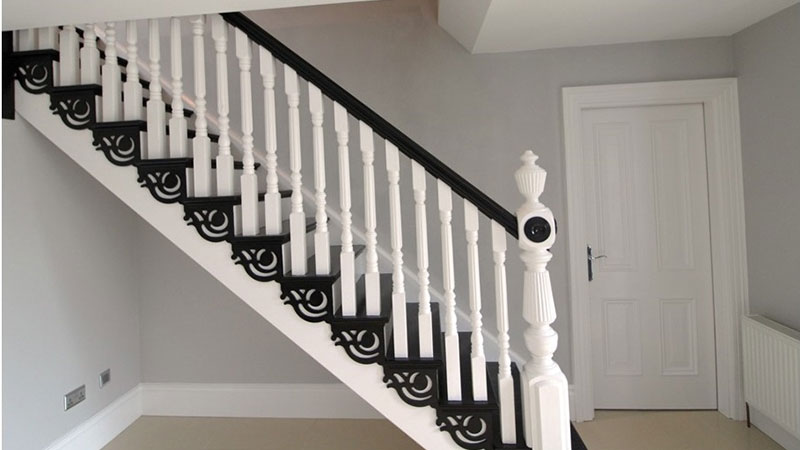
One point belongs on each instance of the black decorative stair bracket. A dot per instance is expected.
(120, 142)
(311, 297)
(261, 258)
(76, 105)
(34, 70)
(212, 217)
(164, 178)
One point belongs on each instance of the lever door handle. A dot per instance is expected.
(590, 258)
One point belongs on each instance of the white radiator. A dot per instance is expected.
(772, 371)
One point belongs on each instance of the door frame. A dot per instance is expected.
(720, 101)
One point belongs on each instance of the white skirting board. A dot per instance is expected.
(773, 430)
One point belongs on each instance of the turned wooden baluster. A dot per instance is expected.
(201, 144)
(90, 56)
(477, 357)
(399, 327)
(508, 424)
(272, 200)
(452, 363)
(219, 32)
(346, 257)
(177, 122)
(248, 179)
(111, 77)
(27, 40)
(425, 319)
(132, 89)
(156, 113)
(545, 390)
(372, 277)
(322, 251)
(297, 218)
(48, 38)
(68, 56)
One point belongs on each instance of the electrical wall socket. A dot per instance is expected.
(105, 377)
(73, 398)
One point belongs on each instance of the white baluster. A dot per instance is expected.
(248, 178)
(68, 56)
(90, 56)
(297, 218)
(47, 38)
(372, 277)
(27, 39)
(425, 319)
(132, 89)
(111, 77)
(322, 252)
(545, 390)
(452, 362)
(177, 122)
(156, 114)
(201, 144)
(346, 258)
(272, 200)
(508, 424)
(478, 358)
(219, 32)
(399, 327)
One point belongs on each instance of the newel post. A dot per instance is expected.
(545, 389)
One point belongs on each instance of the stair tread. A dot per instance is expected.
(283, 237)
(96, 88)
(412, 322)
(361, 300)
(142, 124)
(336, 250)
(189, 163)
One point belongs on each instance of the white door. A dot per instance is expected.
(651, 296)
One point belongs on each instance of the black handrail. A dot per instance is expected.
(378, 124)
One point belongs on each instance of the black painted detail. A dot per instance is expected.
(164, 178)
(471, 430)
(261, 256)
(537, 229)
(76, 105)
(212, 217)
(416, 386)
(8, 76)
(363, 337)
(34, 69)
(120, 142)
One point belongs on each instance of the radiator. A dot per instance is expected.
(772, 371)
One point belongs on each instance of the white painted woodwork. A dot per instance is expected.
(451, 346)
(48, 38)
(372, 276)
(177, 122)
(250, 213)
(273, 219)
(544, 386)
(28, 39)
(505, 381)
(297, 218)
(132, 108)
(201, 144)
(399, 326)
(322, 252)
(424, 313)
(156, 113)
(68, 68)
(477, 355)
(111, 77)
(90, 56)
(346, 257)
(651, 299)
(219, 33)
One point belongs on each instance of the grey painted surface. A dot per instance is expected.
(767, 57)
(70, 295)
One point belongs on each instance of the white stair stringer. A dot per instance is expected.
(264, 298)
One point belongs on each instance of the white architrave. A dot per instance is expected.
(297, 218)
(132, 89)
(719, 98)
(372, 277)
(156, 112)
(424, 314)
(249, 182)
(347, 258)
(177, 122)
(90, 56)
(111, 77)
(452, 363)
(201, 144)
(399, 327)
(272, 200)
(322, 250)
(508, 422)
(219, 32)
(478, 357)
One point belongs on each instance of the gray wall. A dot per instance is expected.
(476, 113)
(767, 59)
(70, 295)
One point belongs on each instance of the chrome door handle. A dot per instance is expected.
(590, 258)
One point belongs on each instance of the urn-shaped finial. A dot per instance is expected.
(530, 177)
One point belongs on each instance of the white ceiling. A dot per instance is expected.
(486, 26)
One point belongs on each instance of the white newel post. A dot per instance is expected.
(132, 91)
(424, 313)
(48, 38)
(111, 77)
(67, 56)
(156, 114)
(477, 356)
(545, 389)
(297, 218)
(90, 56)
(244, 53)
(451, 347)
(219, 33)
(346, 258)
(272, 200)
(177, 122)
(372, 277)
(201, 144)
(399, 326)
(508, 424)
(322, 250)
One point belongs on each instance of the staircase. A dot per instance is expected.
(129, 128)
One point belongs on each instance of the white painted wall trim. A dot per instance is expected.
(720, 102)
